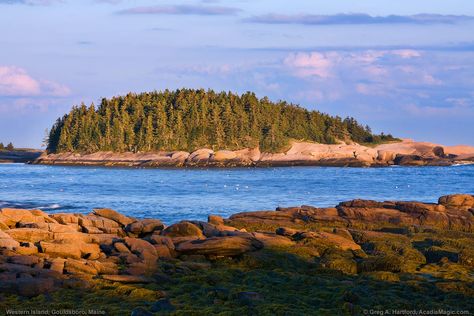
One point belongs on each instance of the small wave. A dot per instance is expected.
(29, 205)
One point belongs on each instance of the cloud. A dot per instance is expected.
(312, 64)
(16, 82)
(328, 64)
(358, 18)
(182, 10)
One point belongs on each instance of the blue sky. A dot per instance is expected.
(402, 67)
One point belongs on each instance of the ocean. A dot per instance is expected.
(176, 194)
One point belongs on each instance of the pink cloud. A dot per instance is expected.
(406, 53)
(312, 64)
(16, 82)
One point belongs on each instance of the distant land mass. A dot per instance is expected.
(190, 119)
(202, 128)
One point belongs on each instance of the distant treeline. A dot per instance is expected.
(7, 147)
(190, 119)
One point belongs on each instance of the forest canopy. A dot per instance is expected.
(188, 119)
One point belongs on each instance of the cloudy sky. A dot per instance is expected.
(403, 67)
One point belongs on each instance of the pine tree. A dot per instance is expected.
(188, 119)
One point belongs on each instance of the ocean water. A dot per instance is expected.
(175, 194)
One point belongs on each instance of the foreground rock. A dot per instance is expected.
(407, 152)
(40, 252)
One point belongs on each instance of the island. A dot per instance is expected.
(188, 128)
(358, 256)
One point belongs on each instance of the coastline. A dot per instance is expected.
(358, 246)
(405, 153)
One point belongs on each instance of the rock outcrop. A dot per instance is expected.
(406, 152)
(42, 252)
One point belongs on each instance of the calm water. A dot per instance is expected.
(173, 194)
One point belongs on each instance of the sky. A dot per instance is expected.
(402, 67)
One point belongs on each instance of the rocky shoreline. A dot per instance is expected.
(405, 153)
(19, 156)
(141, 266)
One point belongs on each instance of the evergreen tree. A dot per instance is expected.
(188, 119)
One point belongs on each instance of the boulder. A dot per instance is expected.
(60, 250)
(145, 226)
(6, 241)
(284, 231)
(73, 266)
(91, 230)
(272, 240)
(215, 220)
(113, 215)
(142, 248)
(65, 218)
(121, 247)
(385, 156)
(462, 201)
(179, 156)
(183, 229)
(329, 239)
(200, 155)
(57, 264)
(62, 228)
(30, 234)
(224, 155)
(162, 240)
(11, 217)
(219, 246)
(24, 260)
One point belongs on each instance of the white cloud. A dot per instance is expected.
(16, 82)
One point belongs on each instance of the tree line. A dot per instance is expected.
(187, 119)
(7, 147)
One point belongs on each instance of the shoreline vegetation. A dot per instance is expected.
(359, 255)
